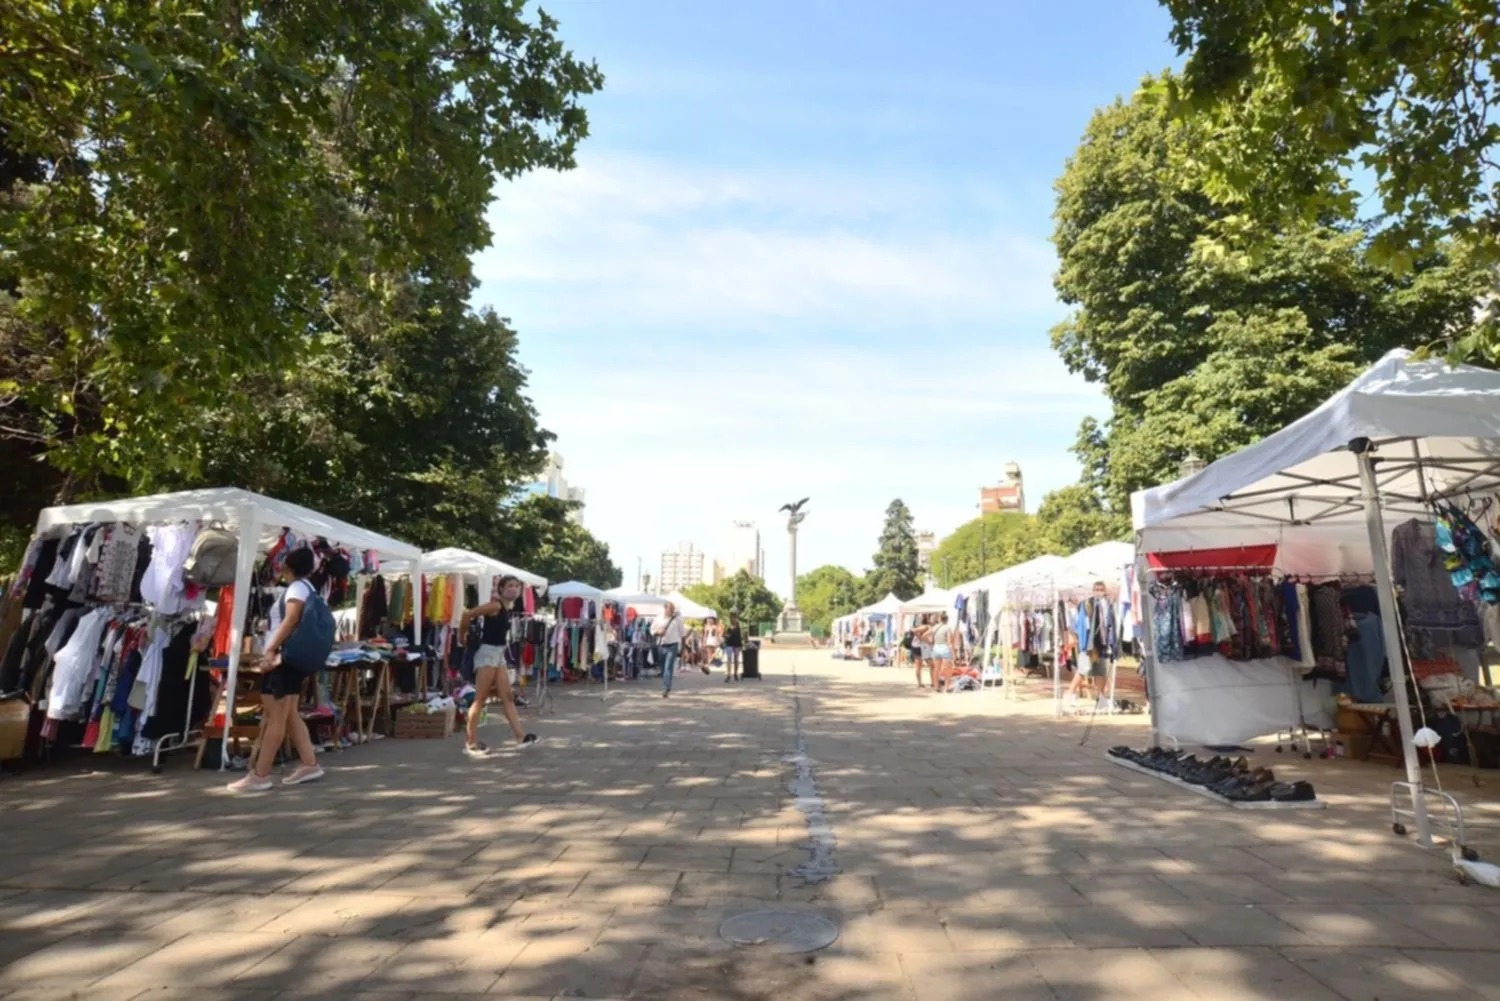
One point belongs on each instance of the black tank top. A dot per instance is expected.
(497, 629)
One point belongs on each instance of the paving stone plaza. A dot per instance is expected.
(979, 849)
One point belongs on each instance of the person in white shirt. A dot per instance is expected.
(668, 632)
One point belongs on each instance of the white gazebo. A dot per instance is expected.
(1402, 434)
(253, 518)
(451, 560)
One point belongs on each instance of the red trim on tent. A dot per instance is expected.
(1237, 557)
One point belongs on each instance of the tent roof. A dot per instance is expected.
(228, 505)
(464, 561)
(689, 608)
(576, 589)
(889, 605)
(1435, 428)
(932, 600)
(1103, 561)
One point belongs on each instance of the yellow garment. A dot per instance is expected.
(105, 743)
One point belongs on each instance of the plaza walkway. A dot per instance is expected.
(983, 851)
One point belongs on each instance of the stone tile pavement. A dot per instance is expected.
(984, 852)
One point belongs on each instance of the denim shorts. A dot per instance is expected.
(489, 656)
(942, 652)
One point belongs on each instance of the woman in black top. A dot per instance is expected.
(734, 642)
(491, 673)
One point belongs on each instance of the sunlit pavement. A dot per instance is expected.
(983, 851)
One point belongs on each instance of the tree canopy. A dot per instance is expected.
(1294, 97)
(827, 593)
(1073, 518)
(1202, 350)
(236, 250)
(987, 544)
(545, 539)
(897, 569)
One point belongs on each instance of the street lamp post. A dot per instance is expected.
(1191, 465)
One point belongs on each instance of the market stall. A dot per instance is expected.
(1390, 482)
(89, 555)
(448, 572)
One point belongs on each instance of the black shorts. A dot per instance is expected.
(282, 682)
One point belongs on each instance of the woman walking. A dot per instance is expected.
(942, 652)
(712, 639)
(491, 673)
(281, 688)
(734, 642)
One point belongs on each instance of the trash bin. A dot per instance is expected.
(750, 657)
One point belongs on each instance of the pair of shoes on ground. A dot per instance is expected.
(1234, 780)
(481, 749)
(253, 783)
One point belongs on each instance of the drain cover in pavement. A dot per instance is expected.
(782, 931)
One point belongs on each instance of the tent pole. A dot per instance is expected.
(1058, 632)
(1148, 644)
(1385, 591)
(244, 573)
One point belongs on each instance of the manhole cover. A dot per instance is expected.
(781, 931)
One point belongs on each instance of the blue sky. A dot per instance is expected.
(805, 252)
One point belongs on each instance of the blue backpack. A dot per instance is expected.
(306, 650)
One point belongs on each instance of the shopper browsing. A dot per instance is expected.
(712, 639)
(491, 673)
(668, 632)
(298, 648)
(734, 642)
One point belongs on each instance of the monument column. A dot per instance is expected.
(790, 620)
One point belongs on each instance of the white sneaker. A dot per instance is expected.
(303, 774)
(251, 783)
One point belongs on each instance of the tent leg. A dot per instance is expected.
(1059, 630)
(1148, 648)
(244, 573)
(1391, 626)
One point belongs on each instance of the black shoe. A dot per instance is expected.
(1295, 792)
(529, 741)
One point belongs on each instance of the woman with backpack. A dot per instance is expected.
(302, 610)
(491, 673)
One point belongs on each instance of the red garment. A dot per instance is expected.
(572, 608)
(528, 598)
(223, 621)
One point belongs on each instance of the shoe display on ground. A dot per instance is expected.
(1233, 780)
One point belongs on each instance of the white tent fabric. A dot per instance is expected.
(575, 589)
(689, 608)
(452, 560)
(1028, 583)
(1435, 428)
(1323, 487)
(231, 507)
(932, 600)
(889, 605)
(249, 516)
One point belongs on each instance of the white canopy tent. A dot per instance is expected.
(689, 608)
(575, 589)
(653, 603)
(934, 599)
(451, 560)
(1402, 433)
(889, 605)
(250, 516)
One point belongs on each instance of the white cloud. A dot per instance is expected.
(711, 343)
(623, 244)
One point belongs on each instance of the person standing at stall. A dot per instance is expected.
(668, 632)
(491, 673)
(734, 642)
(297, 649)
